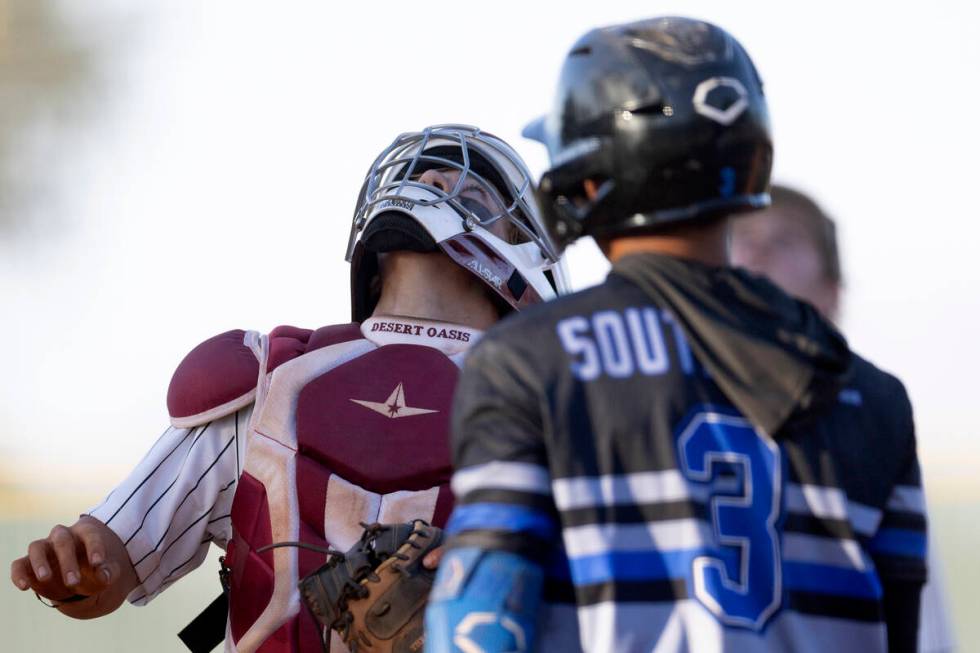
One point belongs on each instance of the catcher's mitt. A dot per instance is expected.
(374, 594)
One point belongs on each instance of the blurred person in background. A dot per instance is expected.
(301, 435)
(794, 243)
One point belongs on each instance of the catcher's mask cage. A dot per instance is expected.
(397, 211)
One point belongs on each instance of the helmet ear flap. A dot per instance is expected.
(572, 196)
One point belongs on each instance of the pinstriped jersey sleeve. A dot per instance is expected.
(177, 501)
(502, 484)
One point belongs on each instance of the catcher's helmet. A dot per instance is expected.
(398, 210)
(667, 116)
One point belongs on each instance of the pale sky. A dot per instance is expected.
(210, 183)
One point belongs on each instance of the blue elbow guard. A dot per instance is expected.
(483, 602)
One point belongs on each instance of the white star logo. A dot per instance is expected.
(394, 406)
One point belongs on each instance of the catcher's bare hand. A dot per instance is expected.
(87, 559)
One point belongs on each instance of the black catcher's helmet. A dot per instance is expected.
(667, 116)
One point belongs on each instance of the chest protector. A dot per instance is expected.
(344, 431)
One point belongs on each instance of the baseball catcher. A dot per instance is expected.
(301, 435)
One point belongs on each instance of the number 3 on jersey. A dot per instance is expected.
(724, 458)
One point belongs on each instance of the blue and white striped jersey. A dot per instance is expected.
(591, 435)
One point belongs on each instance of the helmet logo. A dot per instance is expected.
(722, 99)
(485, 272)
(397, 203)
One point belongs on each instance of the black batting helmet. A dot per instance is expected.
(667, 116)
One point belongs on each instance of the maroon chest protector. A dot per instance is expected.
(382, 420)
(369, 441)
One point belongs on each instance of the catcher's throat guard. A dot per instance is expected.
(374, 594)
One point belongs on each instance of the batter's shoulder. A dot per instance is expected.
(220, 375)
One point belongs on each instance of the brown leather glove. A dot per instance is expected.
(374, 594)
